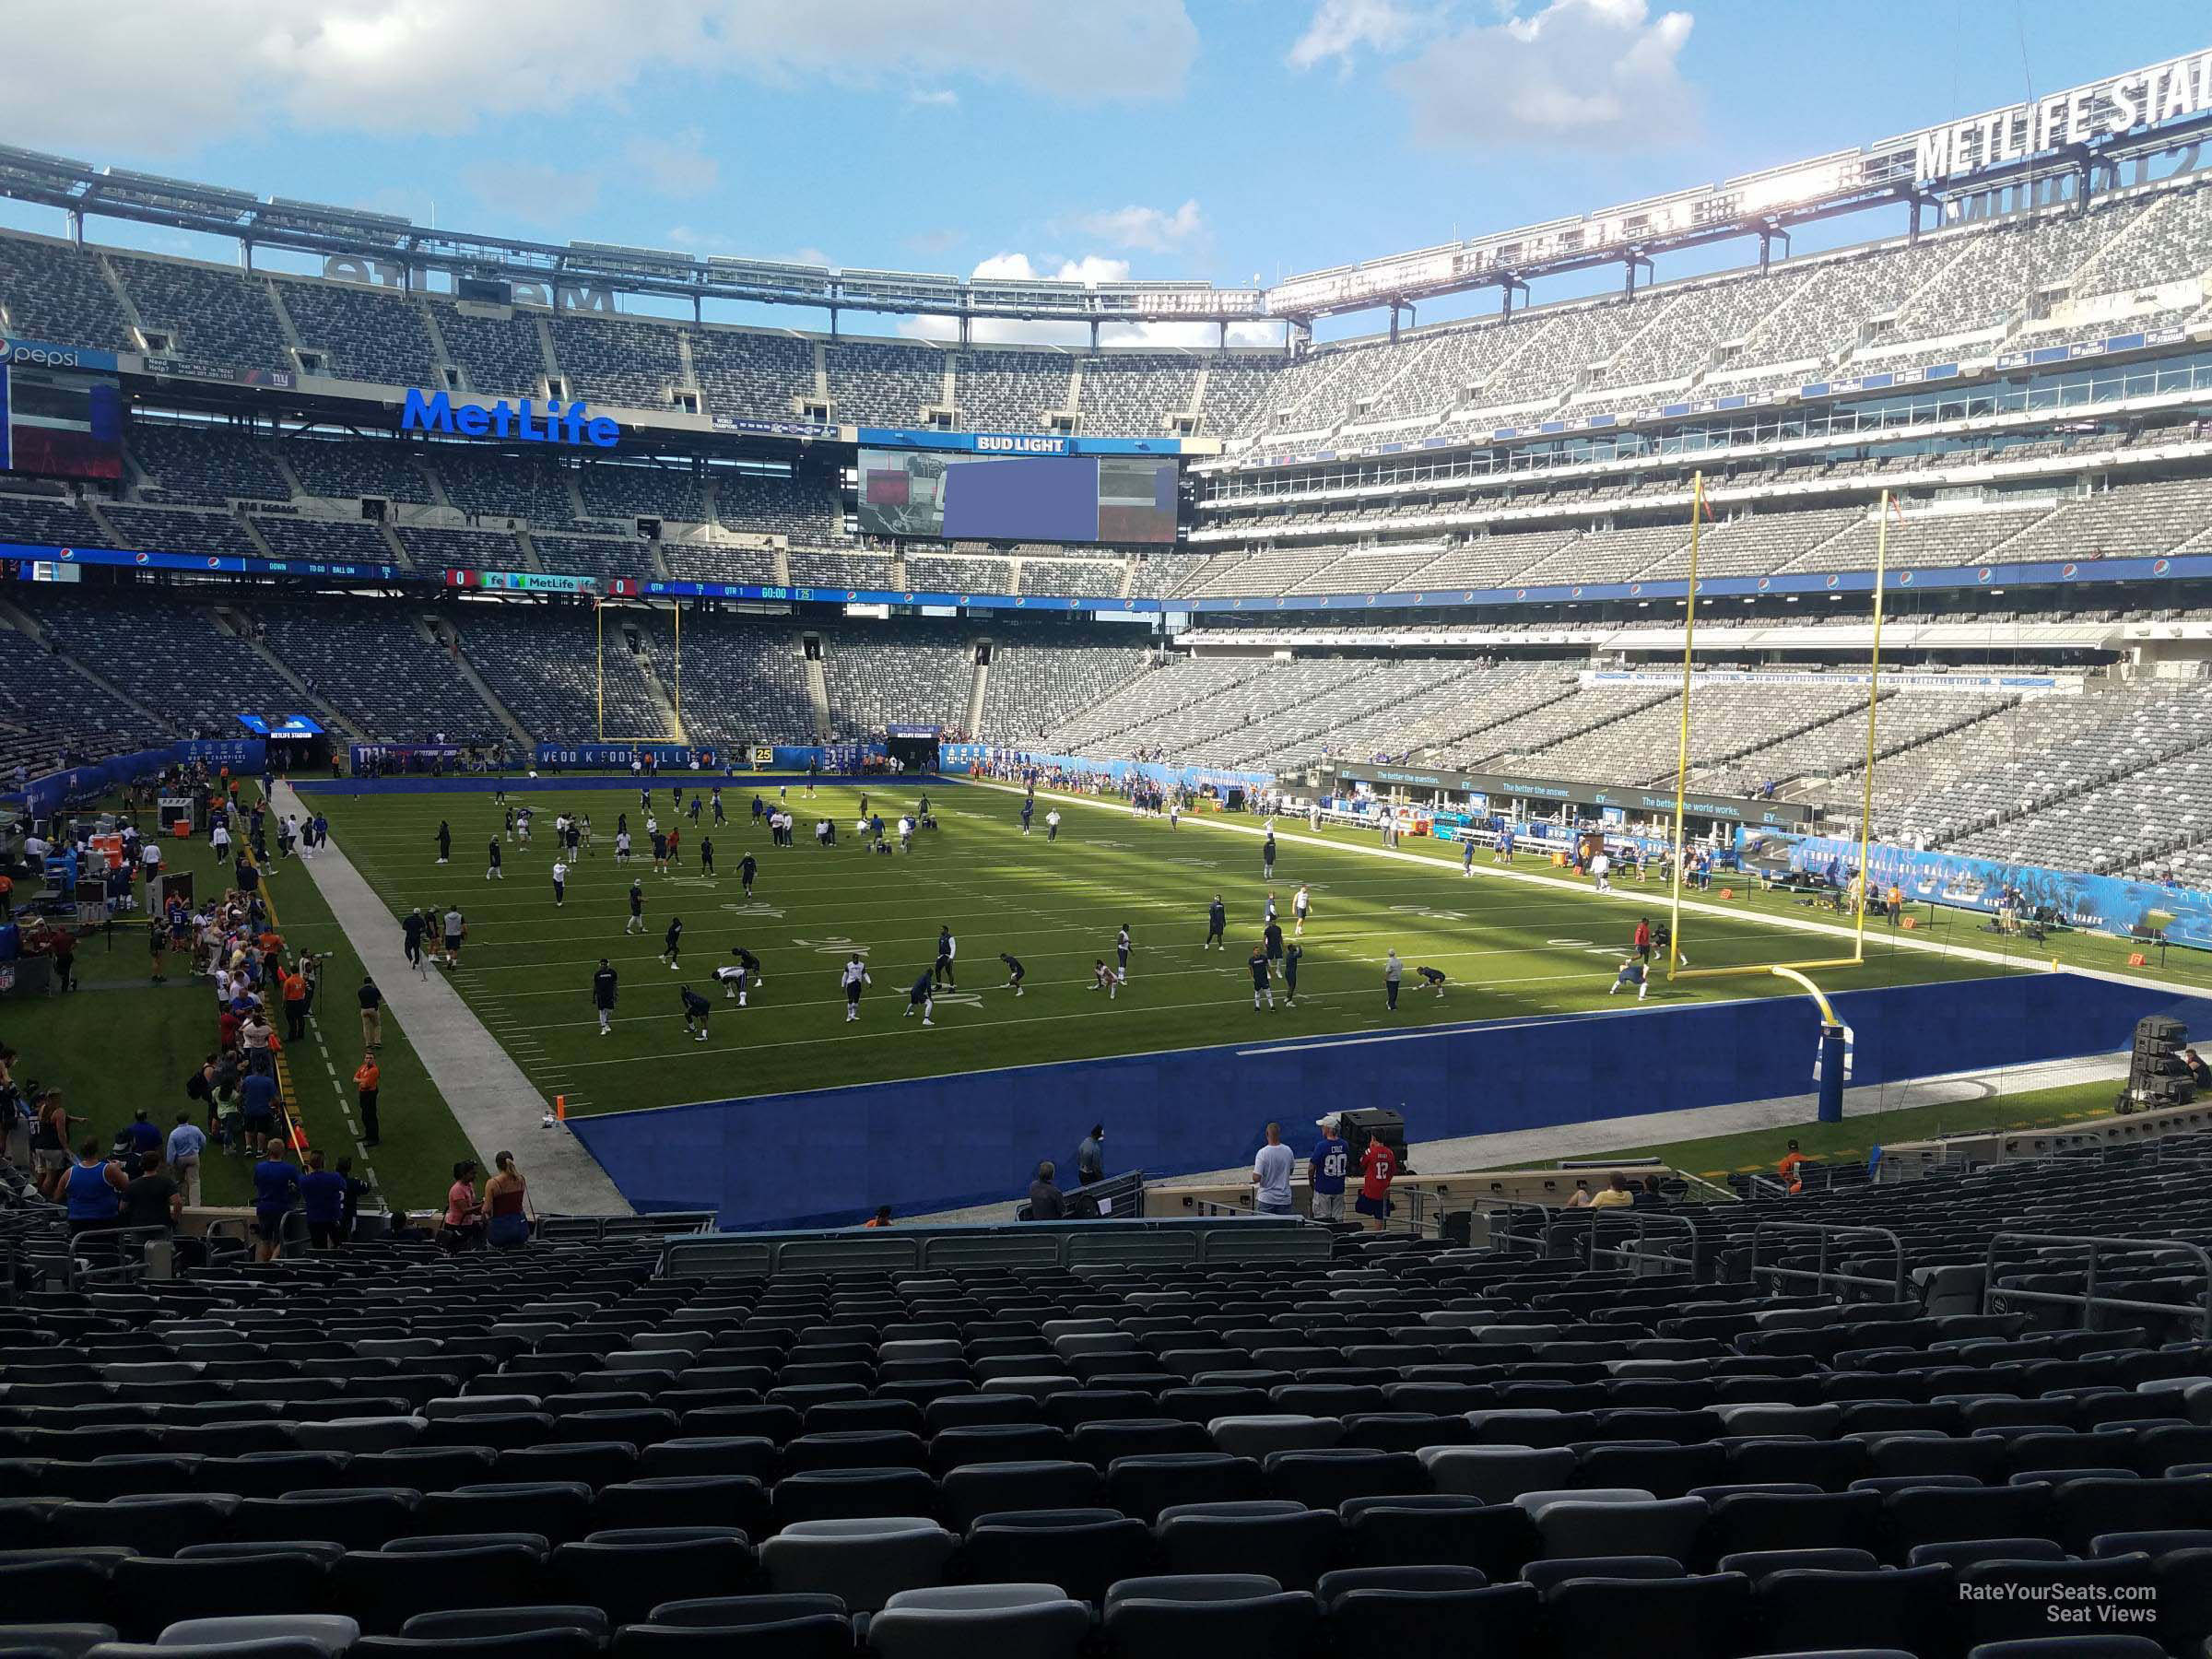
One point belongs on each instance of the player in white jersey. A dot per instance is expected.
(854, 978)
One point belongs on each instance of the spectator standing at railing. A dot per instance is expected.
(1090, 1156)
(1271, 1168)
(153, 1198)
(275, 1187)
(1379, 1167)
(91, 1191)
(1331, 1159)
(1046, 1201)
(185, 1143)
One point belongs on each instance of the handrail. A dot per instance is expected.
(1512, 1208)
(649, 1224)
(1720, 1195)
(2087, 1300)
(1615, 1217)
(1821, 1276)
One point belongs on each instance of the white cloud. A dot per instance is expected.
(676, 166)
(1578, 72)
(438, 67)
(1339, 27)
(1155, 229)
(936, 98)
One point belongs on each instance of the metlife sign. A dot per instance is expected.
(521, 423)
(2142, 98)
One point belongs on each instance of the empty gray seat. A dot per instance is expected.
(333, 1633)
(358, 1434)
(1008, 1622)
(865, 1562)
(1497, 1473)
(1668, 1527)
(1257, 1435)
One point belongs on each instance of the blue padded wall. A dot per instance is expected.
(832, 1155)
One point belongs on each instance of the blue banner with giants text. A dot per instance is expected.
(2113, 904)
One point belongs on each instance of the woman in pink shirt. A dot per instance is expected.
(464, 1215)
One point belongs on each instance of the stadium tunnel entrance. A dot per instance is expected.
(914, 747)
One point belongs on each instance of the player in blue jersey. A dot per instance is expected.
(1262, 983)
(1015, 972)
(920, 996)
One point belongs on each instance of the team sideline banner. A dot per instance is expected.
(2113, 904)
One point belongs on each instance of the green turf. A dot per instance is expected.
(1850, 1141)
(1511, 949)
(120, 1043)
(413, 1166)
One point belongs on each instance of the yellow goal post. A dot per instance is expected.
(1699, 511)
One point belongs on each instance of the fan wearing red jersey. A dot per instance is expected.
(1379, 1165)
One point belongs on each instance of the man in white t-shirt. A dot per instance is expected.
(1601, 872)
(1271, 1168)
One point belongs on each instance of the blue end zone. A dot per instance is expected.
(827, 1156)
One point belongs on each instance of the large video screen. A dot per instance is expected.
(63, 425)
(1016, 498)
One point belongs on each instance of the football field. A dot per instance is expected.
(1508, 948)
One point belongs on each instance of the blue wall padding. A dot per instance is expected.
(830, 1155)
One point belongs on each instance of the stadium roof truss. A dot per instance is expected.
(2087, 131)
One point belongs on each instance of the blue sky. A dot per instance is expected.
(1212, 138)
